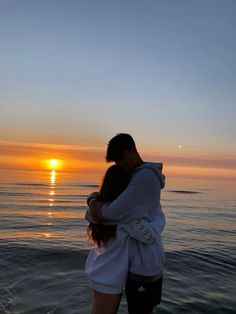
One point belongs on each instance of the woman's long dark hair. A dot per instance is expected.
(114, 182)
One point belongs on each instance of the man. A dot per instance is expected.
(141, 199)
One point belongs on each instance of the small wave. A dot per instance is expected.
(84, 185)
(184, 191)
(40, 194)
(198, 260)
(31, 184)
(18, 194)
(16, 253)
(38, 209)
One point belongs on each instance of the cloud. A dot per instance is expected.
(9, 148)
(33, 156)
(195, 159)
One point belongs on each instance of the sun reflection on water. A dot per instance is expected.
(51, 200)
(47, 235)
(53, 178)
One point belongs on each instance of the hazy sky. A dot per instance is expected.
(78, 72)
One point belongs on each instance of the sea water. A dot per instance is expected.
(43, 244)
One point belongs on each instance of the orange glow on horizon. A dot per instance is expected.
(199, 172)
(90, 161)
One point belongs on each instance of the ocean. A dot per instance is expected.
(43, 244)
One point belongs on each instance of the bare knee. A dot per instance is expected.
(105, 303)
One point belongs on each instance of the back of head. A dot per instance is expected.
(117, 145)
(114, 182)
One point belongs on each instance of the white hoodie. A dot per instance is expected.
(137, 246)
(141, 198)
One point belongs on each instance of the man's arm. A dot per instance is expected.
(132, 203)
(145, 231)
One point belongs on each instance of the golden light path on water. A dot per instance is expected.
(51, 199)
(52, 164)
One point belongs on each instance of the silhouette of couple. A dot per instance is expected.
(125, 223)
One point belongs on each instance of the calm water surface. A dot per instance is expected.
(43, 244)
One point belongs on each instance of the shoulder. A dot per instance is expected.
(145, 174)
(148, 178)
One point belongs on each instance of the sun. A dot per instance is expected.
(54, 163)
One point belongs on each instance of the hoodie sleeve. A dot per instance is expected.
(145, 231)
(136, 200)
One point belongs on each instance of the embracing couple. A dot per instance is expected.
(125, 222)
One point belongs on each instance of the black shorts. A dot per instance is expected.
(143, 294)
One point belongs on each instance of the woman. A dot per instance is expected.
(107, 264)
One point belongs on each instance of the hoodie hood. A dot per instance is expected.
(156, 167)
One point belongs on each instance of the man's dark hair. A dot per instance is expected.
(117, 145)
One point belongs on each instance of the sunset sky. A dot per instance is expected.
(74, 73)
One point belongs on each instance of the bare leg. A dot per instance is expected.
(105, 303)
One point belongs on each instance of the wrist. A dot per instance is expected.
(90, 200)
